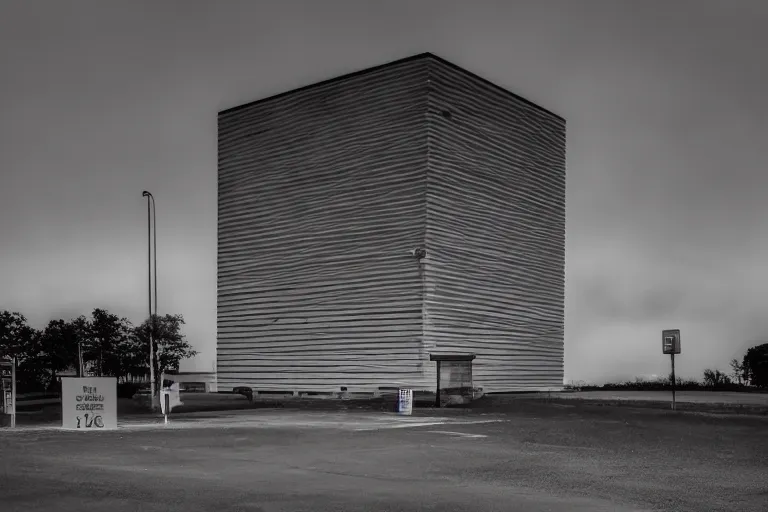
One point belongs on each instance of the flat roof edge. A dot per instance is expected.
(494, 85)
(338, 78)
(419, 56)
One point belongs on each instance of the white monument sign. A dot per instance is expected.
(89, 403)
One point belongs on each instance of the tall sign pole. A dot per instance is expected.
(670, 340)
(13, 392)
(674, 381)
(151, 319)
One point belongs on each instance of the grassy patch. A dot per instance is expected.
(663, 384)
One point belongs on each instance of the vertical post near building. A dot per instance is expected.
(670, 339)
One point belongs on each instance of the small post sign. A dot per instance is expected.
(8, 392)
(670, 343)
(170, 397)
(89, 403)
(405, 402)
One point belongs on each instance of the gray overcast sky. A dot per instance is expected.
(667, 117)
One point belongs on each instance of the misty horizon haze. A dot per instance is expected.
(666, 114)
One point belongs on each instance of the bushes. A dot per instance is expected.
(716, 379)
(659, 384)
(752, 370)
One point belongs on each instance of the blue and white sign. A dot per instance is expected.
(405, 402)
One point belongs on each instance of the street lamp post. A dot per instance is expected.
(150, 214)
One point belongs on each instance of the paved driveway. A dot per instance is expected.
(550, 457)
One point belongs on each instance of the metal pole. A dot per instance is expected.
(154, 231)
(154, 251)
(151, 319)
(13, 392)
(673, 381)
(80, 358)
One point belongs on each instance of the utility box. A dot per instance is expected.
(454, 379)
(7, 393)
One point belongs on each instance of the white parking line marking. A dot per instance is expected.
(458, 434)
(401, 425)
(415, 423)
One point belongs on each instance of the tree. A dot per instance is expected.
(715, 378)
(106, 344)
(20, 341)
(755, 365)
(59, 346)
(84, 332)
(32, 373)
(170, 346)
(135, 356)
(109, 344)
(15, 335)
(737, 370)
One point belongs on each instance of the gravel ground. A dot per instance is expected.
(542, 456)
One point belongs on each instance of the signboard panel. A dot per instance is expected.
(670, 341)
(89, 403)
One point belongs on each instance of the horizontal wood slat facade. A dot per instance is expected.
(323, 193)
(321, 198)
(495, 236)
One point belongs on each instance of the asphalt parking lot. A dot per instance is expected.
(541, 456)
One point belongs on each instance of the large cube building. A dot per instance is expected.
(371, 221)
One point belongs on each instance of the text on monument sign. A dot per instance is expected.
(90, 400)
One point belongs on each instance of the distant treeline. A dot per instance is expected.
(748, 375)
(103, 344)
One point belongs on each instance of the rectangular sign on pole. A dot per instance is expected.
(670, 341)
(89, 403)
(670, 344)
